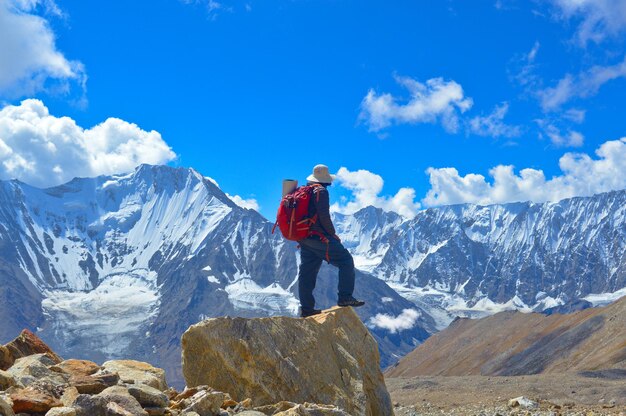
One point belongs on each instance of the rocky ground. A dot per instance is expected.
(548, 394)
(34, 381)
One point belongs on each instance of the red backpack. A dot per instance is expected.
(293, 214)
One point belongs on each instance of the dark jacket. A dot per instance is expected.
(320, 205)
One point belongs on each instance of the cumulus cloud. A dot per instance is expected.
(44, 150)
(596, 20)
(581, 175)
(493, 125)
(406, 320)
(366, 187)
(583, 85)
(436, 100)
(29, 56)
(250, 203)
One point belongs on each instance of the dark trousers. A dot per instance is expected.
(312, 253)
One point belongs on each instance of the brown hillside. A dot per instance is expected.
(514, 343)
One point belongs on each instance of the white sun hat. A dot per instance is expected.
(320, 174)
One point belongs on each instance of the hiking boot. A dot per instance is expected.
(309, 312)
(350, 302)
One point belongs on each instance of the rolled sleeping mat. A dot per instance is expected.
(289, 185)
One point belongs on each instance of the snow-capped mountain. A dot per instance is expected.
(120, 266)
(473, 260)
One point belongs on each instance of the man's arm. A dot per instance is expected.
(323, 211)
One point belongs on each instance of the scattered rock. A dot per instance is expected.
(93, 384)
(122, 397)
(24, 345)
(312, 410)
(329, 358)
(148, 396)
(6, 380)
(6, 409)
(114, 409)
(251, 413)
(88, 405)
(32, 400)
(61, 411)
(69, 396)
(523, 402)
(77, 367)
(29, 369)
(205, 403)
(135, 372)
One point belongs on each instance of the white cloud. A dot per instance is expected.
(244, 203)
(570, 138)
(523, 67)
(29, 56)
(581, 176)
(596, 19)
(366, 188)
(406, 320)
(436, 100)
(493, 125)
(44, 150)
(585, 84)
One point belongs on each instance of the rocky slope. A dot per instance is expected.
(265, 366)
(591, 342)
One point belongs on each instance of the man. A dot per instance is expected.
(323, 244)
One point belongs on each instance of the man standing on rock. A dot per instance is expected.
(323, 244)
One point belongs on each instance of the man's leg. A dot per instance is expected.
(341, 258)
(310, 265)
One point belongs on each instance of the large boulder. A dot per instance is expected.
(24, 345)
(136, 372)
(32, 368)
(329, 358)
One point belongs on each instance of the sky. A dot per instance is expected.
(412, 104)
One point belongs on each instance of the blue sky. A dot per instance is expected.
(412, 103)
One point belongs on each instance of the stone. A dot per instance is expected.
(114, 409)
(88, 405)
(171, 393)
(251, 413)
(120, 395)
(24, 345)
(229, 403)
(155, 411)
(6, 359)
(148, 396)
(77, 367)
(328, 358)
(523, 402)
(6, 409)
(61, 411)
(27, 370)
(93, 384)
(135, 372)
(31, 400)
(6, 380)
(69, 396)
(206, 403)
(190, 414)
